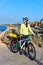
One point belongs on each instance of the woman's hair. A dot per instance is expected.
(26, 24)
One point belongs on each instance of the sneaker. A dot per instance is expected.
(25, 53)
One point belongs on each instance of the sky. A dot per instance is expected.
(12, 11)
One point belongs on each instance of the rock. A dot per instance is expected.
(37, 40)
(4, 34)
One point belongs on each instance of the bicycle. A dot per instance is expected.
(18, 43)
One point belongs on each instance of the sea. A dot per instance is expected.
(2, 28)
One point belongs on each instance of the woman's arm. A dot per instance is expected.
(30, 29)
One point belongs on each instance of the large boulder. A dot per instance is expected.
(3, 35)
(37, 40)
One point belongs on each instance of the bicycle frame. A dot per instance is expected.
(20, 42)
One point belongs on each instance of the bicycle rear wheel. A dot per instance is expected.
(13, 47)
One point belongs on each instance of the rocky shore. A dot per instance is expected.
(37, 40)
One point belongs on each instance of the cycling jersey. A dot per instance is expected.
(26, 30)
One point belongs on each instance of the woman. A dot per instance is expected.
(25, 29)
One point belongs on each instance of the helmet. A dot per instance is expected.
(25, 18)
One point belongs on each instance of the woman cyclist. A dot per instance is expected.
(25, 29)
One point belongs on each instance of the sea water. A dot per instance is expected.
(2, 28)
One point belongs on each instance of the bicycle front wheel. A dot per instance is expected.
(31, 51)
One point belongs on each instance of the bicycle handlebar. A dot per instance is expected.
(28, 35)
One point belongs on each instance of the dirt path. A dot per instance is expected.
(9, 58)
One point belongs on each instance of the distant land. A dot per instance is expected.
(3, 27)
(32, 24)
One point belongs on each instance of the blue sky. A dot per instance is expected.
(12, 11)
